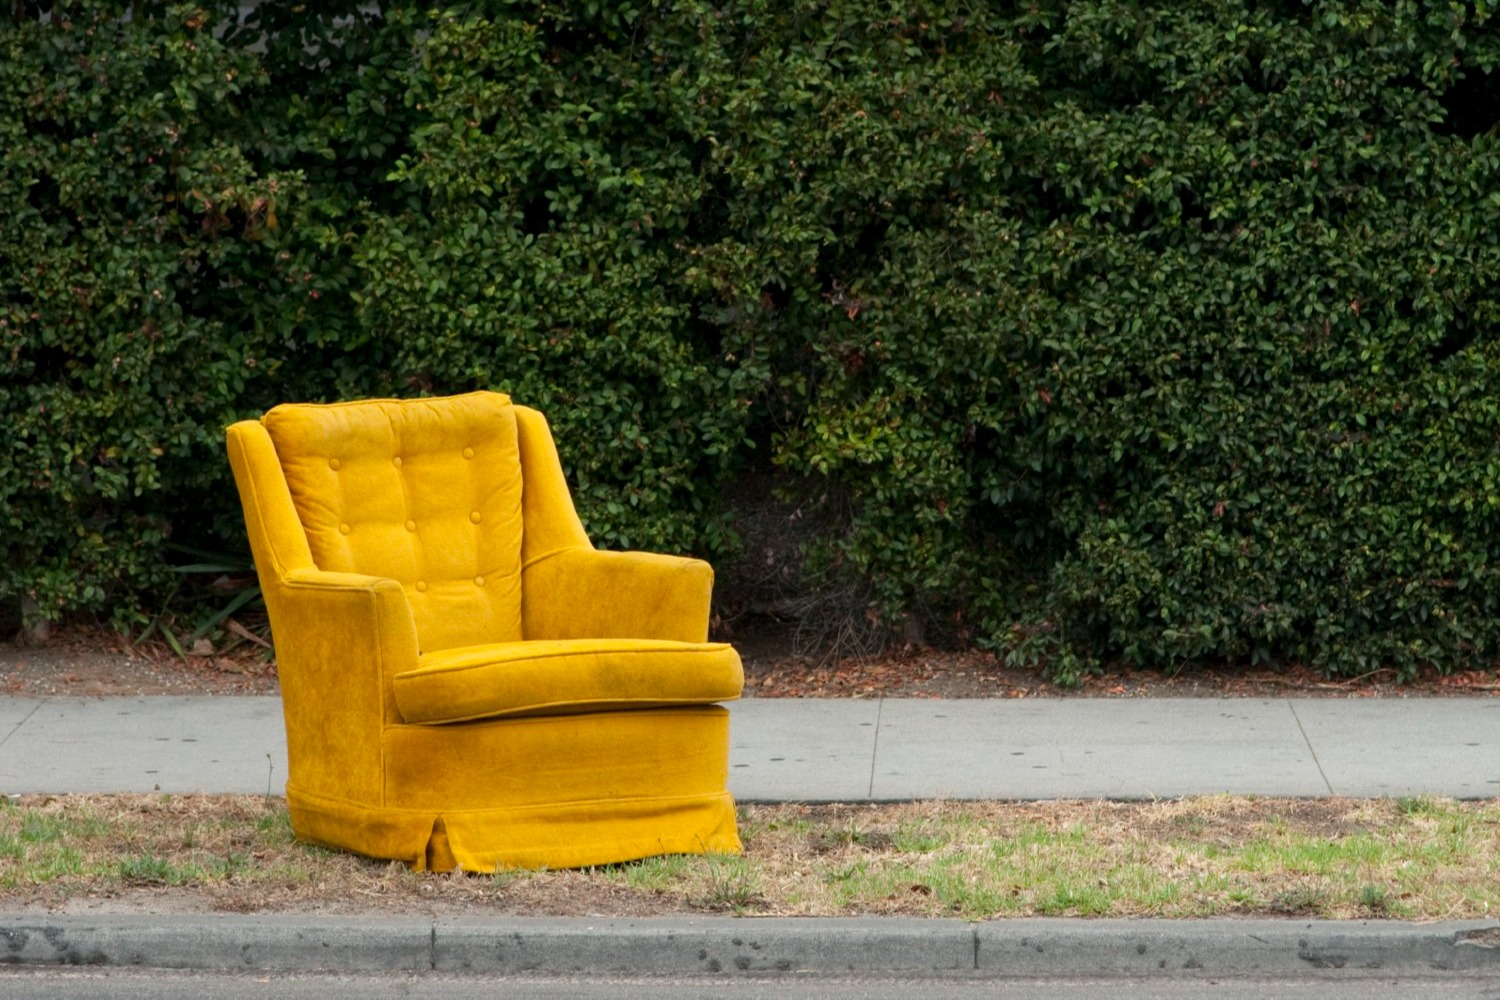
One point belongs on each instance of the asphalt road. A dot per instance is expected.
(131, 984)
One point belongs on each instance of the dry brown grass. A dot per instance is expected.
(1416, 859)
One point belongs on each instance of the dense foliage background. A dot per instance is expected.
(1086, 330)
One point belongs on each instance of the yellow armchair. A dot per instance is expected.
(466, 680)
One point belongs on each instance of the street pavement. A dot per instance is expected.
(844, 750)
(155, 984)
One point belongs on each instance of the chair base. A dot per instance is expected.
(556, 791)
(560, 835)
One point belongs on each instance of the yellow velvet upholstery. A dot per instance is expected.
(466, 680)
(565, 676)
(427, 493)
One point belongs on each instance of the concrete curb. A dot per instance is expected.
(725, 946)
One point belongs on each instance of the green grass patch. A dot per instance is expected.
(1412, 859)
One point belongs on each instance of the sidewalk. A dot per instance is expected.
(827, 750)
(847, 750)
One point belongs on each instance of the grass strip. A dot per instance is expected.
(1418, 859)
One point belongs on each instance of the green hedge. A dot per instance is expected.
(1112, 330)
(135, 242)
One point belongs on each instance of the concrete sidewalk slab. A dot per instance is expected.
(1141, 748)
(1373, 748)
(823, 749)
(163, 743)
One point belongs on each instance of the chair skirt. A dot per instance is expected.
(557, 791)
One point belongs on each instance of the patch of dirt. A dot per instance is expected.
(772, 670)
(83, 661)
(563, 894)
(89, 662)
(1226, 818)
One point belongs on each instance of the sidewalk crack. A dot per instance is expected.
(1303, 730)
(875, 748)
(17, 727)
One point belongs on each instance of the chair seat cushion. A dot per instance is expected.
(559, 676)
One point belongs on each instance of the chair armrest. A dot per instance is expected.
(579, 593)
(346, 618)
(341, 638)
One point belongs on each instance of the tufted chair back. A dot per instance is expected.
(423, 491)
